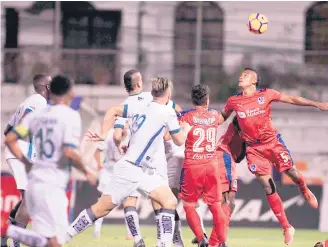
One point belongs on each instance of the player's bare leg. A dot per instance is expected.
(21, 217)
(168, 202)
(277, 206)
(299, 180)
(88, 216)
(132, 221)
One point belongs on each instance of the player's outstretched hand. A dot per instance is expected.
(323, 106)
(93, 136)
(122, 148)
(91, 178)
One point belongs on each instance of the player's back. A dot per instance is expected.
(34, 102)
(54, 128)
(148, 129)
(202, 138)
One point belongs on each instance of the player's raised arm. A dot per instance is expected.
(297, 100)
(109, 119)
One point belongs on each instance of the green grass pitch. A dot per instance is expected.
(114, 236)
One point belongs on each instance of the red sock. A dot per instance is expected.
(194, 222)
(278, 209)
(227, 210)
(219, 222)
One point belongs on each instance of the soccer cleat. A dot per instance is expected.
(289, 234)
(310, 197)
(203, 242)
(14, 243)
(141, 243)
(195, 240)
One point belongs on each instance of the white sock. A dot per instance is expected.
(82, 222)
(166, 221)
(27, 237)
(132, 221)
(158, 226)
(177, 236)
(200, 213)
(98, 224)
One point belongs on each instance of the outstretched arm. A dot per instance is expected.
(297, 100)
(110, 116)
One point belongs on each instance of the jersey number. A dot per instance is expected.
(137, 122)
(47, 147)
(284, 157)
(210, 136)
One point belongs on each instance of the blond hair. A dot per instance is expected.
(160, 86)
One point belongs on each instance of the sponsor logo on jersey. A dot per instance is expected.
(260, 100)
(250, 113)
(206, 121)
(141, 98)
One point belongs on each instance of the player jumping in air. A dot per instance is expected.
(33, 103)
(135, 171)
(264, 145)
(200, 172)
(57, 131)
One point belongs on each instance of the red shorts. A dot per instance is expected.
(228, 174)
(201, 180)
(261, 157)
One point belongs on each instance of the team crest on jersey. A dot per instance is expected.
(252, 167)
(261, 100)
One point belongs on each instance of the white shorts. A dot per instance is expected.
(47, 207)
(127, 178)
(18, 168)
(105, 177)
(174, 165)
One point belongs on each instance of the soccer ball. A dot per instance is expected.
(257, 23)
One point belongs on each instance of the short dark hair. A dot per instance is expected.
(257, 76)
(128, 83)
(200, 94)
(60, 85)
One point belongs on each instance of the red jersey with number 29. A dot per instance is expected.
(202, 138)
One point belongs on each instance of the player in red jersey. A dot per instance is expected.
(231, 150)
(200, 171)
(264, 145)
